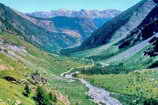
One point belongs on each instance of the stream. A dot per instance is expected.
(99, 95)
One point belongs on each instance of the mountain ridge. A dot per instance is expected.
(81, 13)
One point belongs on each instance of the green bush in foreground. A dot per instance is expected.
(43, 97)
(27, 91)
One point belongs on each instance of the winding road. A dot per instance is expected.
(99, 95)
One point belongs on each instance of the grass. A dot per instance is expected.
(107, 53)
(11, 92)
(74, 90)
(49, 65)
(139, 84)
(99, 52)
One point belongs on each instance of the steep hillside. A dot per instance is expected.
(14, 22)
(146, 29)
(81, 28)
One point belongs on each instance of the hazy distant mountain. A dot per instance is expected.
(82, 13)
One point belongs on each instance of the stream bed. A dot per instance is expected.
(98, 95)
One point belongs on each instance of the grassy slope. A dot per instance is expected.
(99, 53)
(36, 60)
(137, 61)
(8, 90)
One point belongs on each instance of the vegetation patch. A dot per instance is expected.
(140, 85)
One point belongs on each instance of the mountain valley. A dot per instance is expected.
(86, 57)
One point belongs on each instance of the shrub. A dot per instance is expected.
(27, 91)
(43, 97)
(151, 102)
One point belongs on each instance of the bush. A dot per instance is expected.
(151, 102)
(27, 91)
(43, 97)
(111, 69)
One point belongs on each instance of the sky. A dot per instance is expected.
(47, 5)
